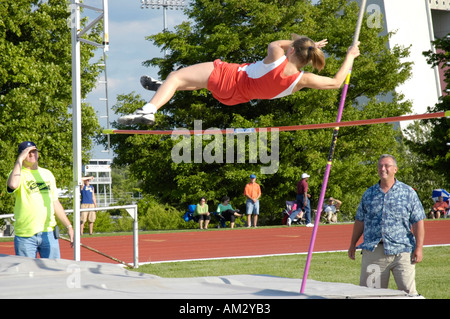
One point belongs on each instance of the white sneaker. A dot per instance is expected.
(138, 117)
(309, 225)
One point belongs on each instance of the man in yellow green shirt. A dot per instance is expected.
(36, 205)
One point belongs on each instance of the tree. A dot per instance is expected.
(239, 31)
(36, 88)
(433, 150)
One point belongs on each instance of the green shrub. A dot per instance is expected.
(156, 216)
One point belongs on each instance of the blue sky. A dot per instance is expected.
(128, 27)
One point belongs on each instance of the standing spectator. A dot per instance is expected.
(201, 211)
(331, 209)
(385, 215)
(303, 202)
(226, 212)
(253, 192)
(438, 208)
(88, 200)
(36, 205)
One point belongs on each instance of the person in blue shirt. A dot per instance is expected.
(387, 212)
(88, 200)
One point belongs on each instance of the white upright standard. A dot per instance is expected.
(75, 6)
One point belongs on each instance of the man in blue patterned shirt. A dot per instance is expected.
(387, 212)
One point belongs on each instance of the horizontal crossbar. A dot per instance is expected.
(285, 128)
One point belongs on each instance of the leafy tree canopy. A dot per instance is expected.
(432, 147)
(240, 31)
(36, 88)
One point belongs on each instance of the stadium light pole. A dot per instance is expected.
(165, 4)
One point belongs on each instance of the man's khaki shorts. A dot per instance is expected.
(87, 216)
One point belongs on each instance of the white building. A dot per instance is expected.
(416, 23)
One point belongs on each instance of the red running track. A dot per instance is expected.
(237, 242)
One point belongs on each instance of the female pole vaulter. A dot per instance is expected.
(279, 74)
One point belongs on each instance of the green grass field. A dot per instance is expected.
(432, 274)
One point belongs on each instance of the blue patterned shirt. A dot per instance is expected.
(389, 217)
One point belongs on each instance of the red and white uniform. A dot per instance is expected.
(232, 83)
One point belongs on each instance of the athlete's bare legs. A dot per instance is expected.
(190, 78)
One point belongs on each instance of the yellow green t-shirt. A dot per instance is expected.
(34, 211)
(199, 210)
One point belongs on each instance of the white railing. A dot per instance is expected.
(102, 180)
(132, 210)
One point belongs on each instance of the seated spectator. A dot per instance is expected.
(294, 214)
(438, 208)
(331, 210)
(202, 213)
(226, 212)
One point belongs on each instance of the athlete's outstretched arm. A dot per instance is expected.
(313, 81)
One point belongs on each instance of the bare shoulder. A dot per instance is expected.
(274, 52)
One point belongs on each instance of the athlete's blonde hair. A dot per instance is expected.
(306, 52)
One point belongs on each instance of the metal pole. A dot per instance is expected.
(105, 49)
(165, 25)
(105, 26)
(135, 238)
(76, 106)
(331, 152)
(76, 125)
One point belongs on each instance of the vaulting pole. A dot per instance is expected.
(331, 152)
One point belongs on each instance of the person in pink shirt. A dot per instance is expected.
(278, 74)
